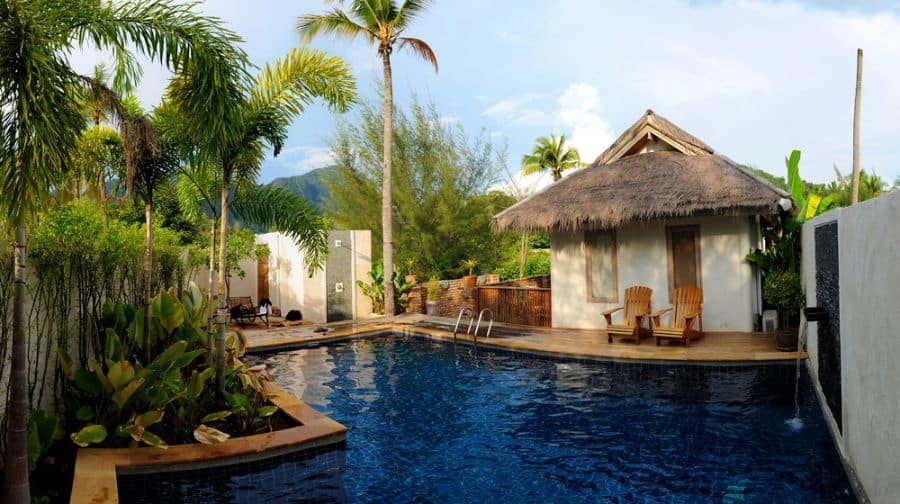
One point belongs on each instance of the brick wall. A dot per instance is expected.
(454, 295)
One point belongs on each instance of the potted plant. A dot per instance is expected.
(432, 304)
(783, 291)
(410, 277)
(470, 280)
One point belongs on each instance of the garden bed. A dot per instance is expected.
(96, 468)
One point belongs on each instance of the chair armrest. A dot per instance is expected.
(656, 316)
(607, 314)
(693, 315)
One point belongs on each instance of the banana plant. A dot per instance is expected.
(121, 396)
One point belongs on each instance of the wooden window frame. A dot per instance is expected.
(670, 259)
(588, 250)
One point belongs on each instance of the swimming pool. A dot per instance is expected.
(434, 422)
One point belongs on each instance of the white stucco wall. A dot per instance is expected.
(291, 287)
(869, 264)
(729, 286)
(362, 264)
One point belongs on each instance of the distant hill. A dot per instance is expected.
(310, 185)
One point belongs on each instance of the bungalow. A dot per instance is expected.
(658, 208)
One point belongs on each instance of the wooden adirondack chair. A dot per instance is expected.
(686, 322)
(637, 306)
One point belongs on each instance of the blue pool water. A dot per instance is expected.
(430, 422)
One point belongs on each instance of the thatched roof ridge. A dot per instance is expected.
(644, 187)
(652, 124)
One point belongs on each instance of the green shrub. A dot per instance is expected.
(784, 291)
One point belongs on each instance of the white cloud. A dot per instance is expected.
(577, 112)
(303, 158)
(519, 110)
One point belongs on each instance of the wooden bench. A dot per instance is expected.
(242, 310)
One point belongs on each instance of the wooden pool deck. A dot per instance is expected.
(588, 344)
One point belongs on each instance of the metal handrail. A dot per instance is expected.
(490, 324)
(462, 312)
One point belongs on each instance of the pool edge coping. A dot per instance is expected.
(96, 469)
(625, 354)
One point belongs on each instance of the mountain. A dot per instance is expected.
(310, 185)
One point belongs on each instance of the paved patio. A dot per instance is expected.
(714, 347)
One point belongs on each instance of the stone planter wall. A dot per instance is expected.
(454, 295)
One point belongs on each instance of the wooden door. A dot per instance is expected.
(683, 244)
(262, 279)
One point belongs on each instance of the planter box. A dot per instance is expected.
(433, 308)
(95, 468)
(786, 339)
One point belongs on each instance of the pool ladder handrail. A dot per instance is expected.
(462, 312)
(490, 323)
(466, 310)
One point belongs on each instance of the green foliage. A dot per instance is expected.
(841, 189)
(539, 240)
(374, 289)
(538, 263)
(469, 265)
(808, 203)
(73, 237)
(433, 289)
(119, 395)
(440, 179)
(43, 431)
(783, 290)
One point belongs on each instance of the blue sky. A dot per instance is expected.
(754, 79)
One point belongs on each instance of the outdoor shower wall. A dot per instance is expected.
(868, 236)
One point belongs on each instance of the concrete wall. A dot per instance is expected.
(869, 258)
(290, 286)
(729, 283)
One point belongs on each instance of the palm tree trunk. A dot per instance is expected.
(211, 297)
(16, 479)
(523, 257)
(129, 178)
(386, 196)
(220, 292)
(212, 272)
(148, 274)
(854, 195)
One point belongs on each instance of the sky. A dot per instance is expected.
(753, 79)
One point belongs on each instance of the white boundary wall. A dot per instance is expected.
(869, 255)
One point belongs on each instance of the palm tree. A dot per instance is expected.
(382, 23)
(553, 155)
(281, 92)
(153, 162)
(41, 114)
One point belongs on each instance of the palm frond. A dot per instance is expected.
(408, 11)
(292, 82)
(279, 209)
(335, 23)
(420, 48)
(204, 54)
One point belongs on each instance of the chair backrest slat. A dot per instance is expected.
(637, 302)
(687, 300)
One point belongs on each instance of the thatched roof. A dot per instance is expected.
(646, 186)
(652, 126)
